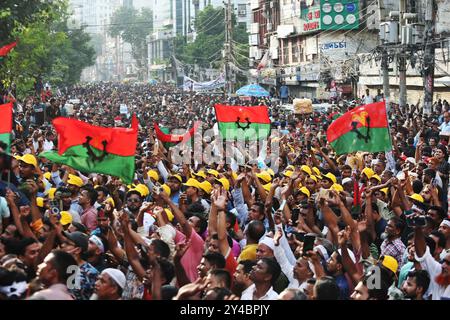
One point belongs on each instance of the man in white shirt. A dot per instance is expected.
(439, 272)
(445, 126)
(263, 275)
(368, 98)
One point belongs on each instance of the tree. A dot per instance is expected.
(206, 50)
(17, 15)
(47, 50)
(133, 26)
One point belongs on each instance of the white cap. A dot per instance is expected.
(346, 180)
(322, 251)
(411, 159)
(350, 253)
(117, 276)
(98, 242)
(268, 242)
(445, 222)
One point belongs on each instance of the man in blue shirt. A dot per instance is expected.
(284, 93)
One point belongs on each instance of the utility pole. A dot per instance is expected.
(227, 47)
(429, 57)
(402, 59)
(384, 60)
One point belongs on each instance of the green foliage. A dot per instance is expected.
(17, 15)
(206, 50)
(47, 50)
(133, 26)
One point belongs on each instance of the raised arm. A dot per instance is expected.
(132, 254)
(185, 225)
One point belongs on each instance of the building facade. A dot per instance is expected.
(329, 48)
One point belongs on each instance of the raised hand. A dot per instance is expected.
(221, 199)
(181, 249)
(278, 236)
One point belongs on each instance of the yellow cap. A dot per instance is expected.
(40, 202)
(290, 167)
(384, 190)
(111, 201)
(306, 169)
(142, 189)
(166, 189)
(66, 218)
(206, 186)
(368, 172)
(288, 173)
(225, 183)
(331, 176)
(201, 173)
(265, 176)
(337, 187)
(316, 171)
(51, 193)
(47, 176)
(267, 186)
(152, 174)
(192, 183)
(390, 263)
(29, 159)
(305, 191)
(375, 176)
(313, 178)
(75, 180)
(169, 214)
(417, 197)
(176, 176)
(215, 173)
(271, 172)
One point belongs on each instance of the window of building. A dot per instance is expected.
(295, 51)
(285, 51)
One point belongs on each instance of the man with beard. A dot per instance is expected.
(109, 285)
(76, 243)
(133, 203)
(439, 272)
(95, 254)
(416, 285)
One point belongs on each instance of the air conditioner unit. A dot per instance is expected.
(284, 30)
(254, 4)
(274, 53)
(242, 12)
(254, 28)
(259, 54)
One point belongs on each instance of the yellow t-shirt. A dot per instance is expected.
(248, 253)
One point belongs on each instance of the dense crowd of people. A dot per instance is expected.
(321, 226)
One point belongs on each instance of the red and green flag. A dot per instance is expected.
(6, 119)
(170, 140)
(7, 48)
(364, 128)
(239, 122)
(89, 148)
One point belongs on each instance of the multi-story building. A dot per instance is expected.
(113, 55)
(172, 18)
(323, 48)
